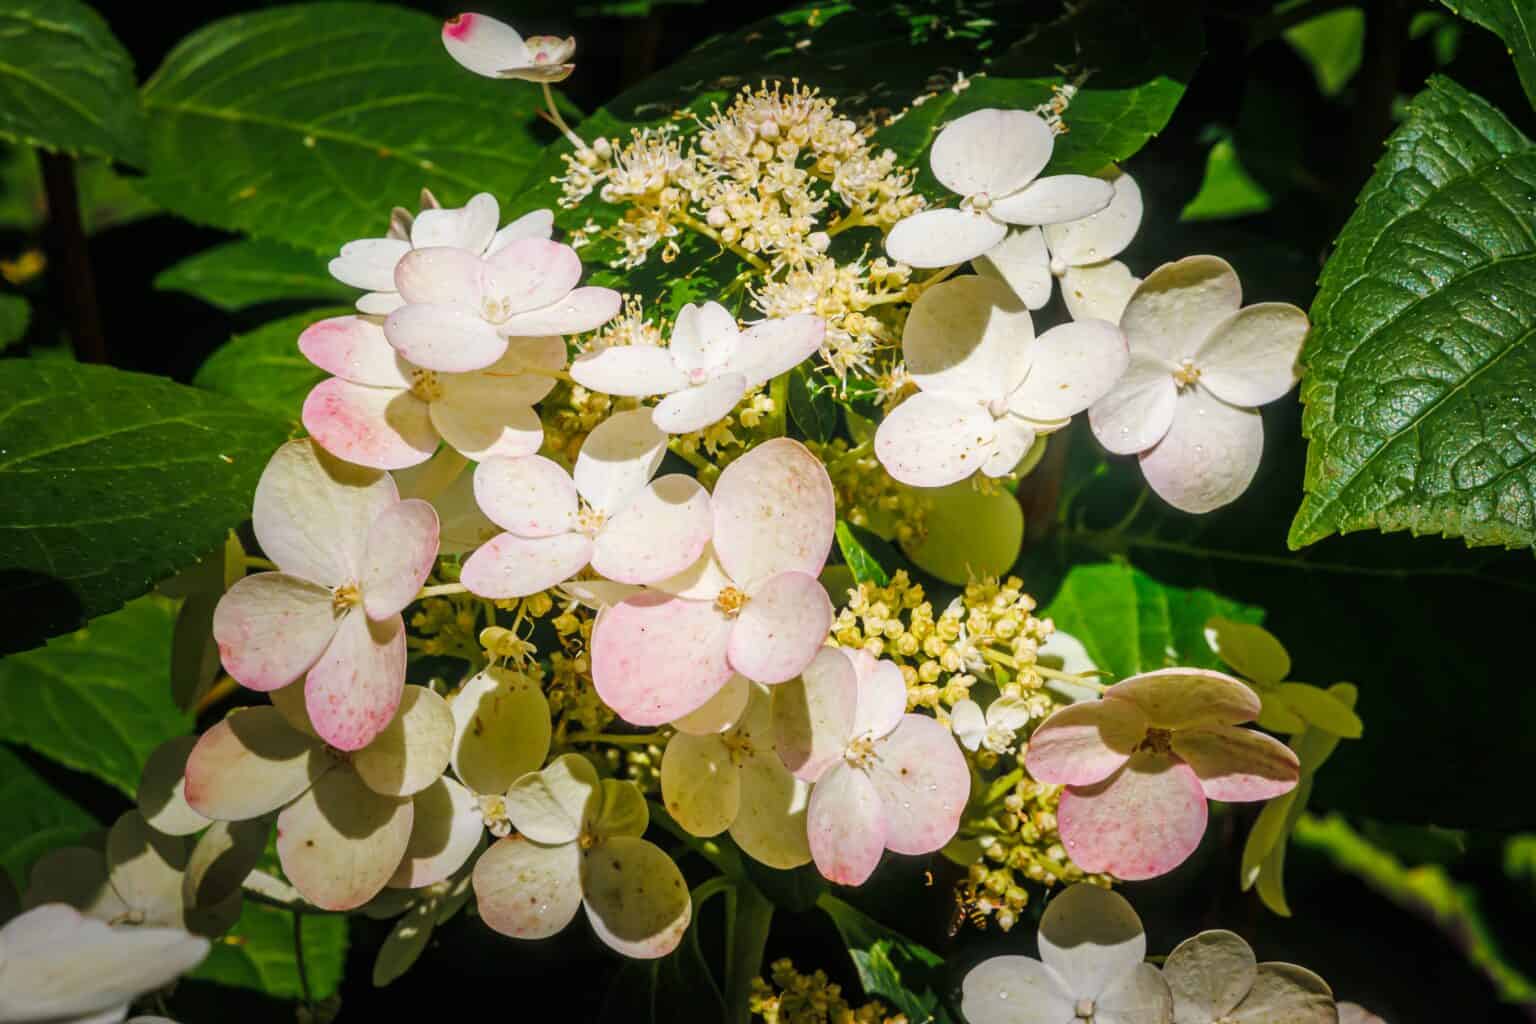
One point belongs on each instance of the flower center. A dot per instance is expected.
(587, 839)
(980, 202)
(1186, 375)
(1083, 1010)
(739, 746)
(345, 596)
(1157, 741)
(426, 386)
(493, 811)
(494, 309)
(997, 408)
(590, 520)
(731, 601)
(860, 752)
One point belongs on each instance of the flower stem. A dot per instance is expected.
(751, 918)
(642, 739)
(298, 957)
(552, 115)
(778, 392)
(687, 220)
(854, 219)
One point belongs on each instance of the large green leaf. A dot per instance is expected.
(235, 275)
(110, 481)
(15, 315)
(905, 975)
(37, 818)
(265, 367)
(258, 953)
(1422, 359)
(1131, 623)
(66, 83)
(99, 699)
(1513, 21)
(306, 124)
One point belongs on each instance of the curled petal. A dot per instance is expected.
(942, 238)
(1084, 743)
(1173, 311)
(703, 337)
(991, 151)
(1238, 764)
(354, 348)
(1209, 456)
(445, 832)
(271, 627)
(341, 842)
(697, 406)
(813, 716)
(1054, 200)
(1187, 698)
(353, 690)
(551, 806)
(1091, 937)
(447, 338)
(512, 566)
(412, 751)
(923, 781)
(1138, 410)
(783, 625)
(1141, 822)
(312, 511)
(501, 729)
(846, 825)
(402, 548)
(774, 513)
(383, 428)
(484, 45)
(968, 723)
(933, 440)
(656, 657)
(659, 534)
(634, 371)
(636, 897)
(1250, 358)
(369, 263)
(251, 763)
(528, 890)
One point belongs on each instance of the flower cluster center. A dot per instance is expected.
(493, 811)
(346, 596)
(1158, 741)
(860, 752)
(590, 520)
(731, 601)
(426, 385)
(1083, 1010)
(495, 309)
(1187, 374)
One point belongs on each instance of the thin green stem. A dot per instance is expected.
(778, 392)
(852, 220)
(687, 220)
(747, 939)
(552, 114)
(298, 957)
(643, 739)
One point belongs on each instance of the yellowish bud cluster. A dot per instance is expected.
(856, 300)
(795, 998)
(446, 627)
(868, 497)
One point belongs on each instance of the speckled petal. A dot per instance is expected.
(353, 690)
(528, 890)
(635, 897)
(846, 825)
(402, 548)
(783, 625)
(657, 657)
(341, 842)
(774, 513)
(251, 763)
(923, 781)
(1141, 822)
(383, 428)
(1238, 764)
(271, 627)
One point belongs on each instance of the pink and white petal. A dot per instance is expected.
(845, 823)
(1054, 200)
(770, 824)
(698, 406)
(1103, 235)
(703, 337)
(1238, 765)
(354, 348)
(501, 729)
(312, 511)
(445, 832)
(379, 304)
(701, 581)
(353, 690)
(161, 796)
(1250, 358)
(1098, 291)
(382, 428)
(412, 751)
(531, 273)
(1022, 262)
(531, 496)
(1138, 995)
(1250, 650)
(1015, 436)
(1139, 409)
(934, 440)
(484, 45)
(528, 890)
(510, 566)
(657, 535)
(341, 842)
(814, 716)
(440, 276)
(1071, 367)
(635, 897)
(943, 238)
(597, 594)
(700, 785)
(369, 263)
(923, 782)
(1208, 457)
(1141, 822)
(772, 347)
(1173, 311)
(720, 712)
(1187, 698)
(470, 227)
(271, 627)
(656, 657)
(968, 337)
(617, 460)
(1209, 974)
(450, 339)
(991, 151)
(774, 513)
(552, 806)
(781, 627)
(882, 695)
(402, 548)
(1016, 990)
(481, 426)
(1085, 743)
(633, 371)
(584, 309)
(538, 224)
(250, 764)
(1091, 937)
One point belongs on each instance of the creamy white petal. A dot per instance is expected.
(1023, 263)
(942, 238)
(1209, 456)
(1054, 200)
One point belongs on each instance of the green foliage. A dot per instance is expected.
(265, 368)
(235, 275)
(675, 987)
(1131, 623)
(1227, 190)
(1333, 45)
(864, 567)
(99, 699)
(812, 407)
(15, 315)
(258, 953)
(37, 818)
(66, 83)
(1423, 352)
(1512, 21)
(305, 124)
(110, 481)
(107, 198)
(904, 974)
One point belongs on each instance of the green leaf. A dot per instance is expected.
(864, 566)
(1131, 623)
(1227, 190)
(235, 275)
(15, 315)
(110, 481)
(892, 968)
(99, 699)
(66, 83)
(1422, 359)
(37, 818)
(306, 124)
(258, 953)
(107, 198)
(969, 534)
(1333, 45)
(814, 411)
(1512, 21)
(265, 368)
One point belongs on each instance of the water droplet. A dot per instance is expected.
(1003, 994)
